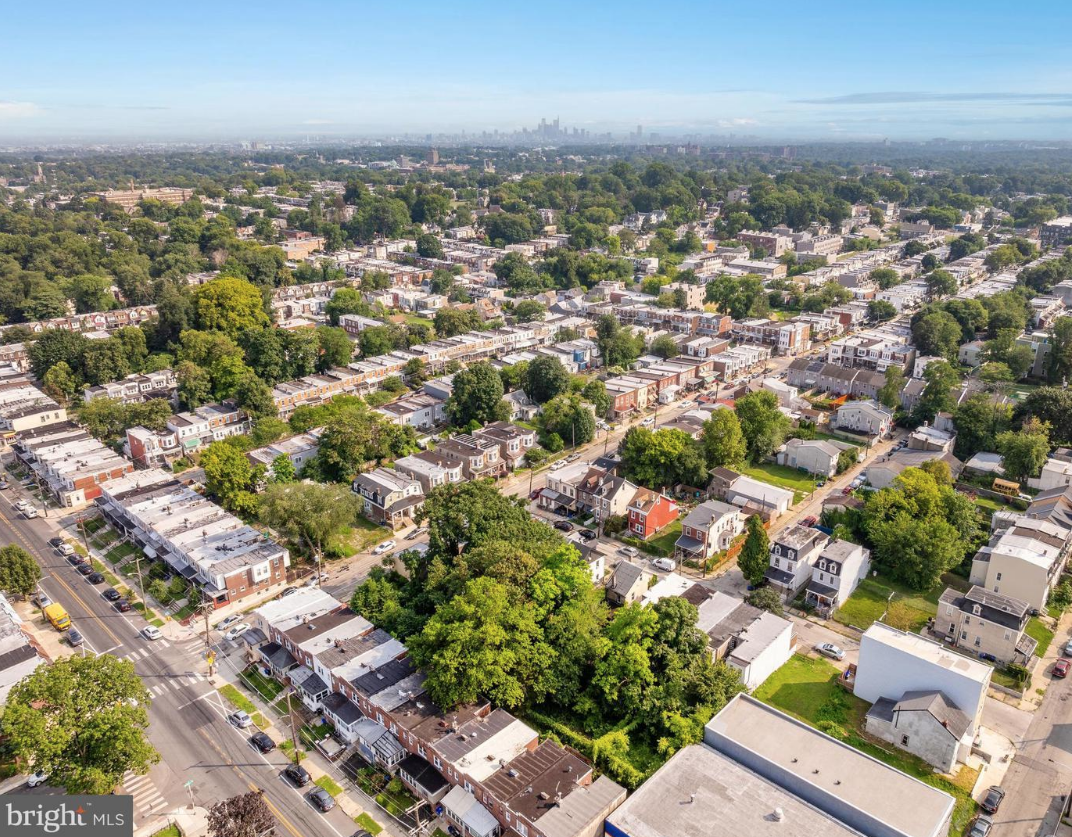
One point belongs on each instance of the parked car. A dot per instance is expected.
(56, 542)
(1060, 668)
(290, 591)
(230, 620)
(122, 605)
(65, 549)
(85, 569)
(628, 551)
(111, 594)
(240, 719)
(993, 799)
(262, 741)
(416, 533)
(563, 526)
(828, 649)
(361, 833)
(535, 494)
(587, 534)
(151, 632)
(95, 578)
(990, 658)
(38, 778)
(322, 800)
(981, 826)
(22, 505)
(648, 422)
(4, 485)
(298, 775)
(237, 631)
(810, 520)
(667, 564)
(1068, 649)
(75, 560)
(559, 463)
(386, 546)
(30, 513)
(41, 600)
(74, 639)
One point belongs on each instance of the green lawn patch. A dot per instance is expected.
(1037, 630)
(358, 538)
(171, 831)
(781, 476)
(237, 699)
(266, 687)
(663, 543)
(395, 799)
(312, 733)
(184, 612)
(120, 551)
(108, 536)
(329, 784)
(909, 609)
(371, 826)
(94, 525)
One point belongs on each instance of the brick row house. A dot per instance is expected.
(487, 772)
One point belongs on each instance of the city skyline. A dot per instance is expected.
(212, 73)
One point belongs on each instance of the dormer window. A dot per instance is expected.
(976, 609)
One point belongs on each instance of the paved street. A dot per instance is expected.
(188, 717)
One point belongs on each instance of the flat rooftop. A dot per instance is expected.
(932, 652)
(827, 773)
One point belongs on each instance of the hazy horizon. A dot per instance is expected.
(775, 72)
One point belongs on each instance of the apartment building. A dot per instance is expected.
(430, 469)
(513, 441)
(1023, 560)
(185, 433)
(170, 521)
(774, 244)
(785, 337)
(1056, 233)
(130, 198)
(480, 458)
(872, 350)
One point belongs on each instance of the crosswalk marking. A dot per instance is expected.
(147, 799)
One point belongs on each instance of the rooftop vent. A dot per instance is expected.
(778, 815)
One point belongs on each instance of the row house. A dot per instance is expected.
(96, 321)
(793, 553)
(868, 417)
(739, 360)
(836, 573)
(513, 441)
(562, 492)
(431, 469)
(16, 356)
(417, 410)
(785, 337)
(299, 450)
(399, 274)
(707, 529)
(185, 433)
(604, 493)
(982, 622)
(649, 513)
(481, 768)
(197, 539)
(354, 324)
(70, 464)
(24, 407)
(134, 389)
(871, 350)
(480, 458)
(390, 498)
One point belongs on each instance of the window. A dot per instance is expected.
(1008, 636)
(978, 641)
(963, 634)
(904, 740)
(468, 787)
(998, 577)
(976, 609)
(438, 764)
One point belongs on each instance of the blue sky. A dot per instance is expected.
(774, 69)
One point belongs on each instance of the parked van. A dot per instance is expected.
(56, 614)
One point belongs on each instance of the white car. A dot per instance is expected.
(557, 464)
(22, 505)
(648, 422)
(65, 549)
(42, 600)
(386, 546)
(628, 551)
(38, 778)
(828, 649)
(240, 719)
(230, 620)
(664, 564)
(151, 632)
(237, 631)
(686, 403)
(29, 513)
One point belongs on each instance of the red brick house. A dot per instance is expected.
(650, 513)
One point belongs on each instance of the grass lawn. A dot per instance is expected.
(1002, 678)
(370, 825)
(362, 536)
(329, 784)
(266, 687)
(237, 699)
(94, 525)
(807, 689)
(120, 551)
(663, 543)
(909, 609)
(108, 536)
(1037, 630)
(171, 831)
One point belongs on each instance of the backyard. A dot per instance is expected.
(1038, 630)
(799, 482)
(909, 610)
(807, 689)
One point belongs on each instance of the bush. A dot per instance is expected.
(832, 729)
(1018, 672)
(614, 524)
(1060, 597)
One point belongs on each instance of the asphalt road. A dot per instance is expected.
(188, 723)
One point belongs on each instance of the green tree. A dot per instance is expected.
(1024, 452)
(528, 310)
(104, 361)
(1052, 405)
(309, 514)
(979, 421)
(545, 378)
(91, 293)
(937, 395)
(880, 310)
(595, 393)
(766, 598)
(723, 440)
(937, 333)
(283, 469)
(450, 322)
(57, 346)
(228, 474)
(477, 396)
(19, 572)
(664, 346)
(334, 348)
(941, 283)
(230, 305)
(885, 278)
(429, 247)
(754, 557)
(346, 301)
(570, 418)
(194, 385)
(60, 383)
(662, 458)
(764, 426)
(81, 720)
(1059, 362)
(483, 642)
(889, 394)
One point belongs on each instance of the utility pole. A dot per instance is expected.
(209, 655)
(293, 726)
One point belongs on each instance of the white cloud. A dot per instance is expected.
(18, 110)
(737, 122)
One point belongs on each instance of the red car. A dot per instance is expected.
(811, 520)
(1060, 668)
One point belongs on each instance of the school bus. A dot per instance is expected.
(1009, 489)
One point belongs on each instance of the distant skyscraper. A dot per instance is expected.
(639, 131)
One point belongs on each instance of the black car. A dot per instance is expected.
(361, 833)
(262, 741)
(564, 526)
(85, 569)
(111, 594)
(122, 605)
(74, 639)
(95, 578)
(75, 560)
(993, 799)
(322, 800)
(587, 534)
(55, 542)
(297, 774)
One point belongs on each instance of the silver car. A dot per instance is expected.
(828, 649)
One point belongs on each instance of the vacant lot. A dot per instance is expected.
(908, 610)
